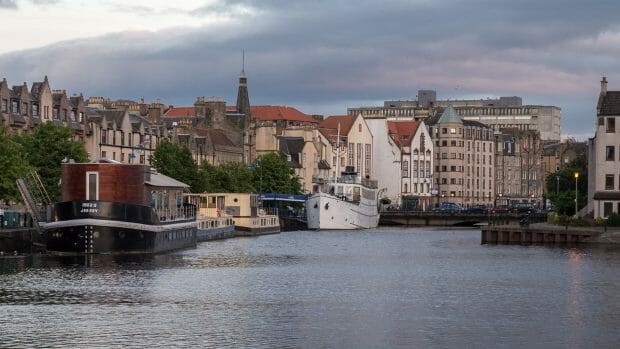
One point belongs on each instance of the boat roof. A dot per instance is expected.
(160, 180)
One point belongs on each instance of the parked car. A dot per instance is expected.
(500, 209)
(481, 209)
(522, 207)
(448, 207)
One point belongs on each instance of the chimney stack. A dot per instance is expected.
(604, 86)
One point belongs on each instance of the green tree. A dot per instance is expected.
(45, 150)
(12, 166)
(273, 175)
(561, 187)
(176, 161)
(231, 177)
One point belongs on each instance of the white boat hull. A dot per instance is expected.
(325, 211)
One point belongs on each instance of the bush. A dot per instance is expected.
(598, 221)
(613, 220)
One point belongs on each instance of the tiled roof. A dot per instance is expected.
(217, 137)
(275, 113)
(402, 132)
(609, 104)
(329, 126)
(180, 112)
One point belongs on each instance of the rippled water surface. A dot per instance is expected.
(389, 288)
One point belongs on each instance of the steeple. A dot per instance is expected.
(243, 99)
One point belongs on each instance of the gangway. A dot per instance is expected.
(35, 197)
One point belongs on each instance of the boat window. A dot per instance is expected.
(356, 194)
(92, 185)
(152, 198)
(339, 190)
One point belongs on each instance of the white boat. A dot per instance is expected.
(212, 221)
(349, 202)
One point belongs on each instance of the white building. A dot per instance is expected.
(604, 156)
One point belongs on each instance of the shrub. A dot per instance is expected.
(613, 220)
(598, 221)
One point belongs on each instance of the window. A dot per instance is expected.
(104, 136)
(15, 107)
(350, 155)
(611, 125)
(359, 128)
(35, 109)
(405, 169)
(103, 154)
(453, 131)
(444, 143)
(609, 182)
(359, 158)
(92, 186)
(610, 153)
(81, 117)
(444, 130)
(5, 105)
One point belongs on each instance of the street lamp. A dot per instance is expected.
(557, 185)
(576, 191)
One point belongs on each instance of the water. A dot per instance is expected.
(390, 288)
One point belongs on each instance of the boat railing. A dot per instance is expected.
(268, 211)
(352, 179)
(181, 213)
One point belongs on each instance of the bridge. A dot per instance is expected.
(427, 218)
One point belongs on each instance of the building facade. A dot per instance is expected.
(604, 156)
(464, 160)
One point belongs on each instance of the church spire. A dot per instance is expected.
(243, 99)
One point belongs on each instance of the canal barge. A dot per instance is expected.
(109, 207)
(249, 216)
(212, 221)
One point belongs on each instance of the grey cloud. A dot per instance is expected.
(8, 4)
(321, 55)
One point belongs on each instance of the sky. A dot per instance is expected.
(320, 56)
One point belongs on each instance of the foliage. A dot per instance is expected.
(613, 220)
(561, 192)
(231, 177)
(273, 175)
(176, 161)
(12, 166)
(45, 150)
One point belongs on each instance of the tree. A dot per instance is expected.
(273, 175)
(231, 177)
(176, 161)
(12, 166)
(45, 150)
(561, 187)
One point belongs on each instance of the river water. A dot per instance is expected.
(388, 288)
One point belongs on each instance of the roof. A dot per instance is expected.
(160, 180)
(606, 195)
(217, 137)
(275, 113)
(329, 126)
(180, 112)
(402, 132)
(450, 116)
(609, 104)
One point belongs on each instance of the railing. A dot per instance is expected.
(354, 179)
(176, 214)
(273, 211)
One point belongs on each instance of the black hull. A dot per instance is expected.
(94, 238)
(107, 227)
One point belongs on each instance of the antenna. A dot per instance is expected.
(243, 61)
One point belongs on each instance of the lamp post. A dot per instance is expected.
(576, 191)
(557, 185)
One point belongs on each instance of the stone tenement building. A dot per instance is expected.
(464, 160)
(519, 176)
(604, 156)
(504, 112)
(21, 109)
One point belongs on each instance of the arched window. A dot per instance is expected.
(406, 190)
(415, 151)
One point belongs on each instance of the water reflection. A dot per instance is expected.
(393, 288)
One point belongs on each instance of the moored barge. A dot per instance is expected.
(109, 207)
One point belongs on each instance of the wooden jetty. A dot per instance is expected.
(536, 234)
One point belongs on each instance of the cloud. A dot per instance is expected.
(8, 4)
(321, 55)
